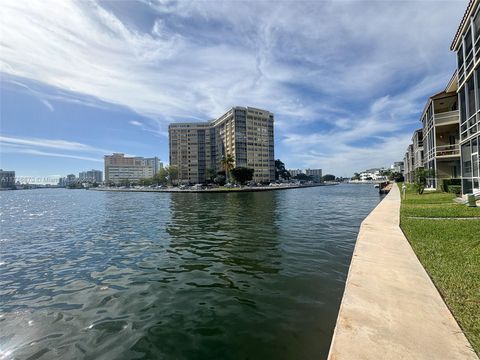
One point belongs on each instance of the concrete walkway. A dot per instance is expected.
(390, 308)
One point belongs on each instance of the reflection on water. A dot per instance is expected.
(87, 274)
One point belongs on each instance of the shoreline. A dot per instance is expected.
(390, 307)
(215, 190)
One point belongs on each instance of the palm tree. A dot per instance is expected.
(228, 164)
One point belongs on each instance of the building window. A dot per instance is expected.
(471, 96)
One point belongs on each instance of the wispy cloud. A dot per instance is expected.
(36, 146)
(333, 73)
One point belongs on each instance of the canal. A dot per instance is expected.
(86, 274)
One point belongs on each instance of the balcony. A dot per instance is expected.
(449, 117)
(447, 150)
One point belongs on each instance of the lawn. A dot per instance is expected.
(449, 249)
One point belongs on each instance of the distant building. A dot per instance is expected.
(295, 172)
(397, 167)
(315, 174)
(408, 165)
(119, 167)
(91, 175)
(7, 179)
(245, 133)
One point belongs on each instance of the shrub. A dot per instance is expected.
(455, 189)
(450, 182)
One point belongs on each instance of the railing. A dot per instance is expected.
(446, 117)
(447, 150)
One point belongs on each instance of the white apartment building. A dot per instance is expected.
(119, 167)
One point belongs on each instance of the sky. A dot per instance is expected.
(346, 80)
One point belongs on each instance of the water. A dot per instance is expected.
(99, 275)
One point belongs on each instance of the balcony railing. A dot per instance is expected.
(447, 150)
(446, 117)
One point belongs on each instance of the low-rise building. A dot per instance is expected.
(315, 174)
(408, 173)
(119, 168)
(398, 167)
(295, 172)
(466, 44)
(441, 134)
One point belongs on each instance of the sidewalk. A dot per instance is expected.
(390, 308)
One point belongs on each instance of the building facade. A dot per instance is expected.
(417, 141)
(408, 164)
(397, 167)
(441, 135)
(7, 179)
(315, 174)
(120, 168)
(466, 44)
(295, 172)
(245, 133)
(91, 175)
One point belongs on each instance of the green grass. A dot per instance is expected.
(449, 249)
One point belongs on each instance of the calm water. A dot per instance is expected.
(101, 275)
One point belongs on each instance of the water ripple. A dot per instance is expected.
(87, 274)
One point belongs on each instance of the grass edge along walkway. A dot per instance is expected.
(446, 239)
(390, 308)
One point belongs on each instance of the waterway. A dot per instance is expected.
(104, 275)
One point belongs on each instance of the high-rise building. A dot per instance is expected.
(295, 172)
(7, 179)
(245, 133)
(315, 174)
(119, 167)
(91, 175)
(466, 44)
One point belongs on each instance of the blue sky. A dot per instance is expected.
(346, 80)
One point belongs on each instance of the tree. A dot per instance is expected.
(420, 178)
(172, 174)
(281, 171)
(228, 164)
(356, 176)
(328, 177)
(303, 177)
(396, 176)
(220, 180)
(210, 175)
(161, 177)
(242, 174)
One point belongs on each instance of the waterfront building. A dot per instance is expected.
(91, 175)
(315, 174)
(397, 167)
(408, 165)
(71, 178)
(7, 179)
(417, 141)
(466, 44)
(119, 167)
(295, 172)
(245, 133)
(441, 134)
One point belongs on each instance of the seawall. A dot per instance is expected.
(390, 307)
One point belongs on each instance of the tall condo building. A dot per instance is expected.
(91, 175)
(245, 133)
(7, 179)
(119, 167)
(466, 44)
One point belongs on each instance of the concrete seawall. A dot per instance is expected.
(390, 308)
